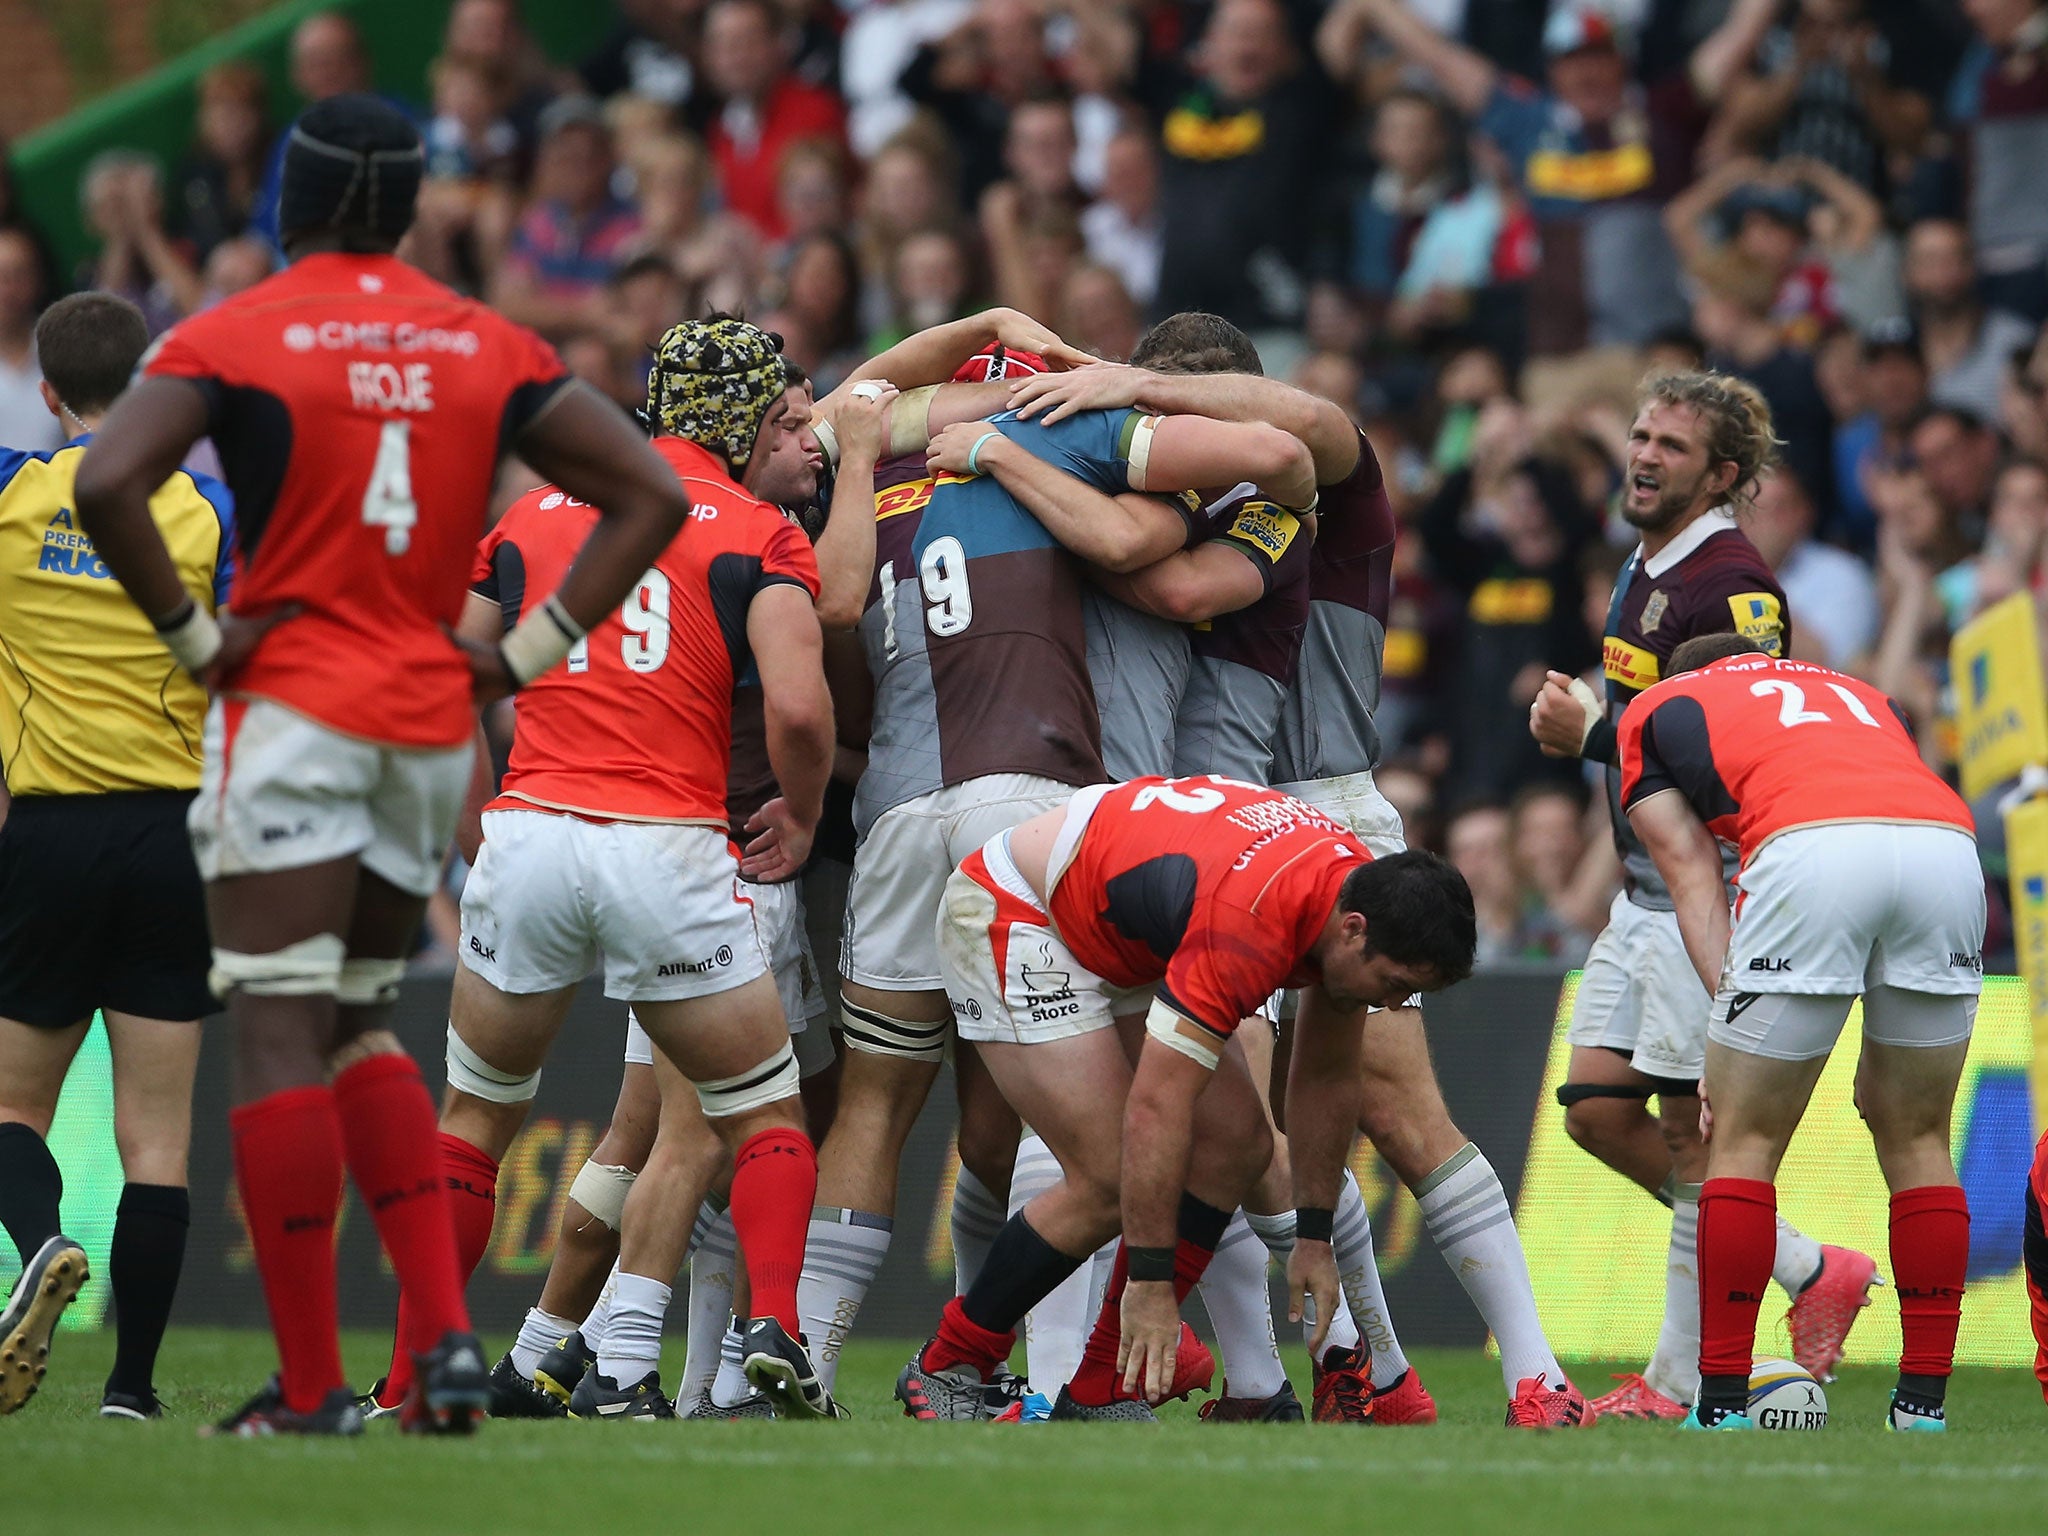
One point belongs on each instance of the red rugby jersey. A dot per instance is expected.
(1213, 888)
(1759, 746)
(637, 724)
(360, 409)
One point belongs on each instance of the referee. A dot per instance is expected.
(100, 903)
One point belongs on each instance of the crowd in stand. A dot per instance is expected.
(1474, 225)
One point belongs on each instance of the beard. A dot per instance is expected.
(1674, 500)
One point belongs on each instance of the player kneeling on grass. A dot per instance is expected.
(338, 743)
(1099, 958)
(609, 839)
(1859, 877)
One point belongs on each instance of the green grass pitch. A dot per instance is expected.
(66, 1470)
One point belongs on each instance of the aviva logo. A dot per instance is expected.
(67, 552)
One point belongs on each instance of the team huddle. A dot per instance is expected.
(1097, 648)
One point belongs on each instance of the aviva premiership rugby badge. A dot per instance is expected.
(1653, 611)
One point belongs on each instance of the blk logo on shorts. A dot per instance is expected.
(479, 949)
(1761, 964)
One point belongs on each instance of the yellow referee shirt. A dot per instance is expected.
(90, 701)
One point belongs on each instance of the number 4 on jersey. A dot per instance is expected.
(387, 500)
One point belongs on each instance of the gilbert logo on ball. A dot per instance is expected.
(1784, 1396)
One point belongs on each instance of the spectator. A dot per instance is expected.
(237, 263)
(1965, 344)
(574, 233)
(972, 77)
(1596, 155)
(1036, 202)
(1411, 144)
(762, 108)
(1822, 91)
(908, 191)
(1570, 877)
(882, 39)
(1957, 456)
(2015, 553)
(818, 312)
(327, 59)
(931, 280)
(468, 138)
(811, 193)
(1831, 594)
(2000, 101)
(1098, 314)
(1894, 389)
(218, 182)
(1513, 924)
(1741, 337)
(1123, 227)
(26, 425)
(717, 256)
(493, 33)
(1505, 534)
(648, 296)
(123, 196)
(1239, 177)
(2023, 400)
(651, 52)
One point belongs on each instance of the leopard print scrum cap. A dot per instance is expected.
(714, 382)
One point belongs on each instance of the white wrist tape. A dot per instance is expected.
(1589, 701)
(539, 641)
(828, 441)
(910, 421)
(191, 636)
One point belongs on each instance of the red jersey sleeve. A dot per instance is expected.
(1226, 968)
(790, 559)
(534, 375)
(1643, 771)
(182, 353)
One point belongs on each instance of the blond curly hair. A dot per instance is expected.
(1735, 417)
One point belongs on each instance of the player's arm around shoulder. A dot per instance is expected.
(1177, 453)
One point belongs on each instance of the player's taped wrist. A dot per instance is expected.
(1594, 711)
(191, 636)
(1314, 1223)
(828, 441)
(1149, 1265)
(539, 641)
(910, 420)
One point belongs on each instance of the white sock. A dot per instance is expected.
(977, 1217)
(1674, 1367)
(1365, 1296)
(541, 1332)
(1277, 1233)
(712, 1250)
(843, 1253)
(1466, 1212)
(632, 1339)
(1056, 1330)
(1241, 1311)
(731, 1385)
(594, 1327)
(1797, 1264)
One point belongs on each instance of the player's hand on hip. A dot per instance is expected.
(1563, 715)
(1096, 387)
(1150, 1319)
(489, 678)
(783, 845)
(239, 637)
(1312, 1273)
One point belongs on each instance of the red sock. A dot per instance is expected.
(1930, 1258)
(1738, 1238)
(774, 1183)
(394, 1155)
(472, 1182)
(962, 1341)
(2034, 1259)
(1098, 1381)
(289, 1171)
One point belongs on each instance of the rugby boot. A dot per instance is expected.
(1635, 1398)
(1283, 1407)
(1710, 1419)
(780, 1369)
(1343, 1391)
(958, 1394)
(1822, 1315)
(1404, 1400)
(561, 1368)
(1537, 1406)
(451, 1390)
(599, 1397)
(752, 1406)
(1193, 1367)
(130, 1405)
(266, 1414)
(514, 1396)
(1910, 1416)
(1122, 1410)
(49, 1282)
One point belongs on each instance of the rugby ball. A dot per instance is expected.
(1784, 1396)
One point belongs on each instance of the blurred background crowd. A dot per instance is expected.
(1474, 224)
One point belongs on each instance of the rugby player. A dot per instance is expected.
(360, 410)
(1325, 751)
(983, 715)
(1219, 893)
(1859, 877)
(597, 845)
(100, 904)
(1638, 1029)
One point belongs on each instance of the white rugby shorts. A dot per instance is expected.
(1639, 995)
(1009, 976)
(279, 791)
(900, 871)
(661, 904)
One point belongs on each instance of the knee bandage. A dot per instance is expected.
(600, 1188)
(880, 1035)
(1569, 1094)
(1181, 1034)
(310, 968)
(773, 1080)
(369, 983)
(471, 1074)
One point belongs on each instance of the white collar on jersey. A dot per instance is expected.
(1696, 533)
